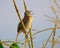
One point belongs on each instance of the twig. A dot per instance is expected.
(51, 20)
(25, 7)
(57, 4)
(31, 38)
(54, 11)
(44, 30)
(54, 32)
(49, 17)
(21, 21)
(48, 40)
(8, 41)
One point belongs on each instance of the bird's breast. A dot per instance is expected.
(29, 22)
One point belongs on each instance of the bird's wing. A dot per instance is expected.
(25, 19)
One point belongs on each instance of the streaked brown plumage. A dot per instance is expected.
(27, 20)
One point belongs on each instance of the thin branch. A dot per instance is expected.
(49, 17)
(54, 33)
(21, 21)
(57, 4)
(44, 30)
(32, 44)
(25, 5)
(51, 20)
(8, 41)
(54, 11)
(48, 40)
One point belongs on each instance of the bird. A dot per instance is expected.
(27, 20)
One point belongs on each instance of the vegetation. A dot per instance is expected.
(29, 41)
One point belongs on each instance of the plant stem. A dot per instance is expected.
(32, 44)
(19, 16)
(54, 33)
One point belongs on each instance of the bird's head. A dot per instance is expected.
(27, 13)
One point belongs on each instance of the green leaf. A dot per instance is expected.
(14, 45)
(1, 45)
